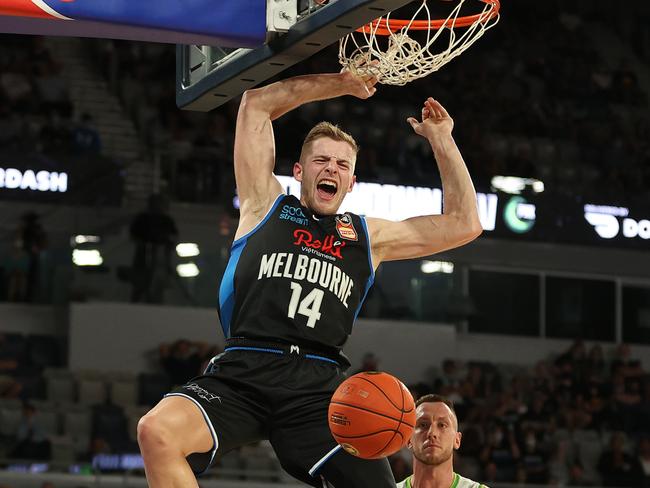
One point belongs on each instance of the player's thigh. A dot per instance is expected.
(308, 452)
(233, 412)
(175, 422)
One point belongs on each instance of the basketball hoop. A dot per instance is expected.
(383, 47)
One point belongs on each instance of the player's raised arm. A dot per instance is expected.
(254, 142)
(459, 223)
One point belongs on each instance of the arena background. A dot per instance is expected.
(539, 330)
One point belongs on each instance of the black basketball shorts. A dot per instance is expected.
(251, 395)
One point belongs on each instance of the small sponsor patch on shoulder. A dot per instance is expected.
(345, 227)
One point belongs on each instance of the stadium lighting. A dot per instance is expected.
(187, 249)
(87, 257)
(514, 185)
(538, 186)
(187, 270)
(83, 239)
(429, 267)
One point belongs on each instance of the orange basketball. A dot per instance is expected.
(371, 415)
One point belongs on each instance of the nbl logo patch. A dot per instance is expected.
(345, 227)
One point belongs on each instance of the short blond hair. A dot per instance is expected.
(327, 129)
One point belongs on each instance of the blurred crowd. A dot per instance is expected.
(36, 111)
(539, 96)
(21, 273)
(562, 109)
(581, 418)
(48, 413)
(554, 92)
(536, 97)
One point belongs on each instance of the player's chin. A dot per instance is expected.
(325, 210)
(327, 207)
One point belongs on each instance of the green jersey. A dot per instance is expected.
(458, 482)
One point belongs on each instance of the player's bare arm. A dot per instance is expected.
(257, 187)
(459, 223)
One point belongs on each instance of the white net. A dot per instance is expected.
(386, 50)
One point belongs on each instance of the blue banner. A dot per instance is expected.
(243, 22)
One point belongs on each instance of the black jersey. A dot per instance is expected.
(297, 278)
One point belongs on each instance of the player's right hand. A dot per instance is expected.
(360, 84)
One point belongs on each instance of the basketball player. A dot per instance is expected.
(433, 443)
(296, 279)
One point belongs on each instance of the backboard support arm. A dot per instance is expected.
(208, 76)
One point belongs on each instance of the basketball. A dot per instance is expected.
(371, 415)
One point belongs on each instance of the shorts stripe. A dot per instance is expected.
(257, 349)
(279, 351)
(321, 358)
(323, 460)
(215, 440)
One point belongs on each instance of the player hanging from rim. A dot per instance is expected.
(432, 444)
(296, 279)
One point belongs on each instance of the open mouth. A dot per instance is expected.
(326, 189)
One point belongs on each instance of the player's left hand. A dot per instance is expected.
(435, 122)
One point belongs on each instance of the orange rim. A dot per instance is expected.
(382, 27)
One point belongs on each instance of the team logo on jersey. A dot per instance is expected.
(329, 245)
(345, 227)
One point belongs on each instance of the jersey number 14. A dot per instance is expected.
(309, 306)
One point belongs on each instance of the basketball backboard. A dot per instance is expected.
(209, 76)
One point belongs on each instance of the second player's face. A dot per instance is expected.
(435, 435)
(326, 174)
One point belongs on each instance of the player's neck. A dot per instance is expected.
(426, 476)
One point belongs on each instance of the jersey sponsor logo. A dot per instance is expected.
(202, 392)
(329, 245)
(345, 227)
(293, 214)
(299, 267)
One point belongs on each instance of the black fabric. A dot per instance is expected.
(345, 470)
(251, 396)
(298, 349)
(297, 278)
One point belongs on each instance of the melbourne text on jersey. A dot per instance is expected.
(299, 267)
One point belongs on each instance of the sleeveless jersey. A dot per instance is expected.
(297, 278)
(458, 482)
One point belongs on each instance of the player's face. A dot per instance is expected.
(326, 174)
(435, 435)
